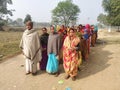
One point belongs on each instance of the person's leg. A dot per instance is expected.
(30, 65)
(34, 68)
(58, 72)
(27, 66)
(73, 74)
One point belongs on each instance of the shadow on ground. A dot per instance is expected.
(98, 59)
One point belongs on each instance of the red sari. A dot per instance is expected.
(70, 57)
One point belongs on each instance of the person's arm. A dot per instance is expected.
(21, 43)
(59, 43)
(77, 47)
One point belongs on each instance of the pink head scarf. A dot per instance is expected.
(87, 27)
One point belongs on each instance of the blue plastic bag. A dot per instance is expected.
(52, 64)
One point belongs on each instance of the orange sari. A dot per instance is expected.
(93, 39)
(70, 57)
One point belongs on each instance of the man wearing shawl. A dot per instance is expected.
(30, 46)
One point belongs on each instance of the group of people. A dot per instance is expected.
(63, 45)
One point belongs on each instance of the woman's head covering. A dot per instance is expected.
(87, 26)
(60, 30)
(53, 26)
(95, 28)
(57, 27)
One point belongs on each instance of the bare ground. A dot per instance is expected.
(102, 72)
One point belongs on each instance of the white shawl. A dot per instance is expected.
(30, 45)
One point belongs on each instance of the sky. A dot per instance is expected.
(40, 10)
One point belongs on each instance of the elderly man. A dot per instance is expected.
(30, 46)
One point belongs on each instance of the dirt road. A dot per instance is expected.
(102, 72)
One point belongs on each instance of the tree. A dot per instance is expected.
(65, 12)
(55, 20)
(112, 8)
(27, 18)
(4, 11)
(3, 8)
(102, 18)
(19, 22)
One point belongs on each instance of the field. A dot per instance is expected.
(9, 44)
(112, 37)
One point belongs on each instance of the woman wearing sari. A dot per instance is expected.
(96, 32)
(80, 33)
(44, 42)
(53, 49)
(93, 36)
(63, 33)
(88, 36)
(70, 55)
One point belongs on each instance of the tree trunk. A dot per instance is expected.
(118, 28)
(109, 30)
(1, 29)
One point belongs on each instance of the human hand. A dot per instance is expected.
(57, 57)
(72, 48)
(43, 49)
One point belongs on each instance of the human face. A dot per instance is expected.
(62, 27)
(92, 27)
(29, 27)
(78, 29)
(59, 32)
(44, 30)
(71, 33)
(52, 29)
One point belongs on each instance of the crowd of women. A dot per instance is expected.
(69, 46)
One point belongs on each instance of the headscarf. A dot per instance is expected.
(53, 27)
(87, 28)
(57, 27)
(95, 28)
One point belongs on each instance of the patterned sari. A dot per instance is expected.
(70, 57)
(93, 37)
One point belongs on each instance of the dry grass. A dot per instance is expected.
(110, 37)
(9, 44)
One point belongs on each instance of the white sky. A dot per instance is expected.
(40, 10)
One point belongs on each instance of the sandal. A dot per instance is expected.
(57, 74)
(34, 73)
(67, 76)
(74, 78)
(27, 73)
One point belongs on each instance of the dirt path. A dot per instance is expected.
(102, 72)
